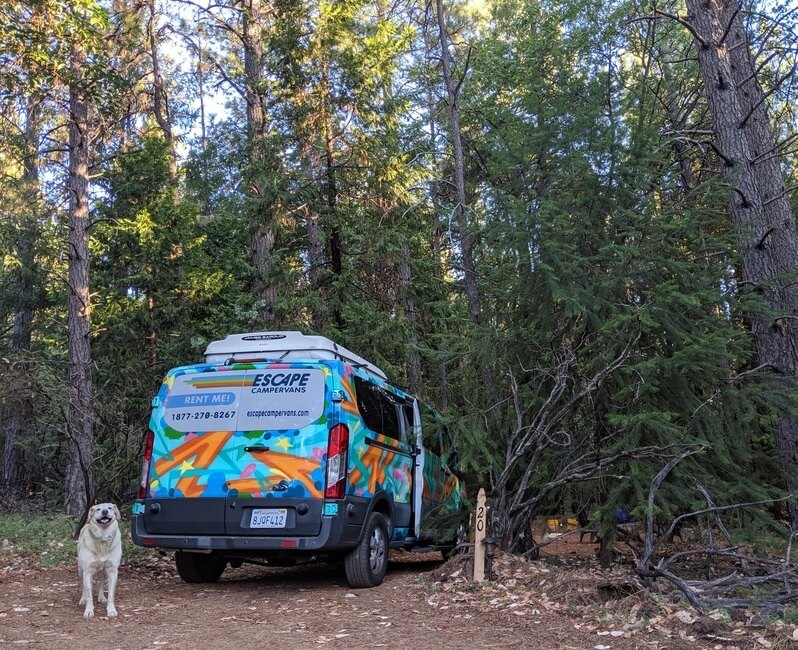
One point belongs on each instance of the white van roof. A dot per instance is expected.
(284, 346)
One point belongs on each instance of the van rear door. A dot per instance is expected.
(192, 427)
(252, 446)
(284, 422)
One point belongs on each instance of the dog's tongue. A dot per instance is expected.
(105, 520)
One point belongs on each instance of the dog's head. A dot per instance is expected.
(104, 514)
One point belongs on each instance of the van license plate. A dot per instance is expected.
(268, 518)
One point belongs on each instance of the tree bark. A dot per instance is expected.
(160, 109)
(331, 189)
(315, 266)
(411, 314)
(434, 194)
(317, 260)
(79, 405)
(460, 210)
(201, 85)
(758, 203)
(160, 103)
(263, 234)
(19, 412)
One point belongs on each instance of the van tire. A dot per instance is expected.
(367, 564)
(199, 567)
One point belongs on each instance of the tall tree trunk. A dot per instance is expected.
(19, 412)
(461, 207)
(325, 261)
(434, 195)
(411, 314)
(677, 118)
(263, 235)
(79, 406)
(160, 103)
(331, 187)
(201, 88)
(160, 109)
(315, 266)
(758, 202)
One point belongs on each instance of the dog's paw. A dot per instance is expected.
(89, 613)
(111, 611)
(82, 600)
(101, 598)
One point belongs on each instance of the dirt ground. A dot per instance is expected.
(299, 607)
(423, 603)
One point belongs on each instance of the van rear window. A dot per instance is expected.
(250, 400)
(378, 408)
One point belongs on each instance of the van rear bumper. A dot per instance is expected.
(335, 534)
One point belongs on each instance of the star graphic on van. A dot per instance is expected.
(187, 465)
(283, 443)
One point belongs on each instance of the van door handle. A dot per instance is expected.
(256, 448)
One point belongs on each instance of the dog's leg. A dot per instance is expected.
(86, 597)
(110, 579)
(102, 582)
(82, 591)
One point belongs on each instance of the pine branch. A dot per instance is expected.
(765, 96)
(586, 470)
(767, 571)
(768, 155)
(676, 580)
(760, 245)
(208, 11)
(778, 197)
(740, 375)
(756, 72)
(648, 549)
(685, 23)
(729, 26)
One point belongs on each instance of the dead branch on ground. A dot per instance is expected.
(748, 580)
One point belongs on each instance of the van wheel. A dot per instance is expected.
(367, 564)
(199, 567)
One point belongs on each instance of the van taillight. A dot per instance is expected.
(145, 464)
(336, 462)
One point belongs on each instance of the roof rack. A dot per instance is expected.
(282, 346)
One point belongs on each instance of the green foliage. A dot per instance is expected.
(164, 290)
(598, 236)
(590, 244)
(48, 540)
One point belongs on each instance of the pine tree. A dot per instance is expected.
(758, 204)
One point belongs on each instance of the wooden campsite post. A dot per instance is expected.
(480, 525)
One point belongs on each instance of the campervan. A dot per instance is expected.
(284, 447)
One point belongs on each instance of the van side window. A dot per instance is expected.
(378, 408)
(368, 403)
(390, 417)
(406, 410)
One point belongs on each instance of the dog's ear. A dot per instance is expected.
(117, 516)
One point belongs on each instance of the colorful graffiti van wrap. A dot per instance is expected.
(280, 459)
